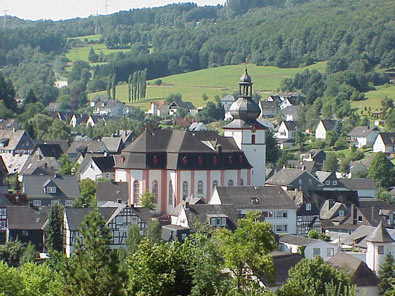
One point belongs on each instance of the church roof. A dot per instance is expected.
(176, 149)
(380, 235)
(245, 77)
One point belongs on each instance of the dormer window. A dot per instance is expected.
(184, 160)
(122, 159)
(341, 213)
(50, 189)
(308, 207)
(217, 221)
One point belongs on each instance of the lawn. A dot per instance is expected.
(88, 37)
(81, 53)
(374, 97)
(215, 81)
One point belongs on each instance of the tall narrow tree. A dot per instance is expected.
(53, 230)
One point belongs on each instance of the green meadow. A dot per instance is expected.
(214, 81)
(374, 97)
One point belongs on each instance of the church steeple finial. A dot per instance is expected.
(245, 85)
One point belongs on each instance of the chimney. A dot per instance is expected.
(186, 205)
(218, 147)
(353, 214)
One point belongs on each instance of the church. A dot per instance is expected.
(175, 164)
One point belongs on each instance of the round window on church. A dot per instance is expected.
(184, 160)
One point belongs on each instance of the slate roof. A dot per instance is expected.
(197, 127)
(361, 234)
(322, 176)
(362, 131)
(298, 164)
(360, 273)
(289, 110)
(109, 191)
(295, 240)
(372, 210)
(169, 147)
(358, 183)
(246, 197)
(282, 263)
(201, 213)
(285, 177)
(314, 152)
(182, 105)
(113, 144)
(26, 218)
(4, 202)
(380, 235)
(67, 186)
(329, 124)
(330, 208)
(291, 125)
(50, 150)
(388, 138)
(104, 163)
(64, 144)
(14, 137)
(76, 215)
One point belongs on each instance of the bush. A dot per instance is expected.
(158, 82)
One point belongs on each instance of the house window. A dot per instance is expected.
(316, 252)
(136, 192)
(170, 197)
(2, 225)
(330, 252)
(334, 182)
(184, 190)
(268, 214)
(3, 212)
(68, 203)
(215, 184)
(37, 203)
(155, 190)
(380, 249)
(341, 213)
(25, 232)
(327, 182)
(200, 187)
(281, 214)
(51, 190)
(308, 207)
(230, 183)
(119, 220)
(300, 181)
(281, 228)
(360, 219)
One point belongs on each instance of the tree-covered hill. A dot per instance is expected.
(356, 35)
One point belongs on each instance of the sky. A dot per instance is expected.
(66, 9)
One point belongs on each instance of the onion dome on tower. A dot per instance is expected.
(244, 110)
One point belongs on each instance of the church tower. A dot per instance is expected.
(379, 243)
(248, 133)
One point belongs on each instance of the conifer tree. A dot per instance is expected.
(387, 276)
(93, 268)
(53, 230)
(114, 85)
(130, 87)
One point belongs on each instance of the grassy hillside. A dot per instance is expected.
(214, 81)
(374, 97)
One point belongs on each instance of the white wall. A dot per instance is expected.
(323, 246)
(320, 132)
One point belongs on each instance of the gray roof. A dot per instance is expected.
(360, 273)
(14, 138)
(295, 240)
(76, 215)
(113, 144)
(380, 235)
(373, 210)
(329, 124)
(182, 105)
(299, 164)
(329, 209)
(4, 202)
(104, 163)
(67, 186)
(283, 262)
(289, 110)
(286, 176)
(109, 191)
(362, 131)
(254, 197)
(244, 124)
(322, 176)
(388, 138)
(358, 183)
(291, 125)
(26, 218)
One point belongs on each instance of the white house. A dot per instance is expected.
(273, 202)
(290, 113)
(363, 136)
(324, 126)
(287, 130)
(118, 217)
(385, 142)
(379, 244)
(364, 186)
(96, 167)
(107, 107)
(310, 247)
(226, 102)
(158, 108)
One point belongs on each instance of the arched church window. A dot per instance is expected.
(230, 183)
(155, 190)
(184, 190)
(136, 192)
(200, 187)
(171, 194)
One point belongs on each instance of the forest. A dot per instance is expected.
(352, 35)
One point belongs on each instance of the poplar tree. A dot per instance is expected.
(114, 85)
(53, 230)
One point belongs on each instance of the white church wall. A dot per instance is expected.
(120, 175)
